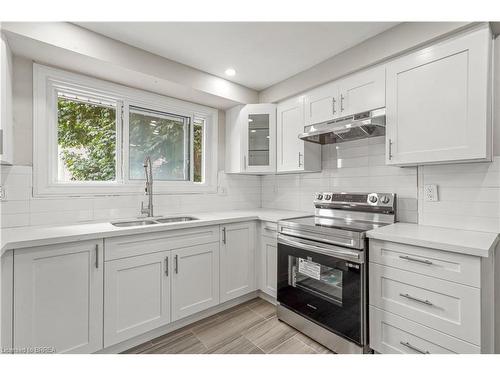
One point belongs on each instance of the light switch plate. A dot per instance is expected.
(431, 193)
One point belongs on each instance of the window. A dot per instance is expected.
(91, 137)
(86, 139)
(164, 138)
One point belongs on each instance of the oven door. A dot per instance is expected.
(323, 283)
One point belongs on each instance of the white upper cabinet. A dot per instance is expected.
(321, 104)
(251, 139)
(438, 103)
(58, 297)
(362, 91)
(5, 102)
(356, 93)
(293, 154)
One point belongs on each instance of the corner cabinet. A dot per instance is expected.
(251, 139)
(293, 154)
(237, 260)
(438, 102)
(58, 297)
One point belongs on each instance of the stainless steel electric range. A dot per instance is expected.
(322, 268)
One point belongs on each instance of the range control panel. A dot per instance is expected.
(355, 199)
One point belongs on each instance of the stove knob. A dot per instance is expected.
(328, 197)
(385, 199)
(319, 197)
(373, 198)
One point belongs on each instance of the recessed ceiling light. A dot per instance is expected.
(230, 72)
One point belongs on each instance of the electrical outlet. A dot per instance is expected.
(431, 193)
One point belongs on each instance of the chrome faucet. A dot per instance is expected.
(148, 170)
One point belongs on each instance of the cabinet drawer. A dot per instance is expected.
(464, 269)
(392, 334)
(448, 307)
(269, 229)
(127, 246)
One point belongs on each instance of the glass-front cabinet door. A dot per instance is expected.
(259, 138)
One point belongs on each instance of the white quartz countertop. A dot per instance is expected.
(15, 238)
(447, 239)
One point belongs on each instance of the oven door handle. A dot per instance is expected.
(326, 249)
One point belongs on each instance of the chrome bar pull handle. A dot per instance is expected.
(300, 160)
(342, 103)
(333, 105)
(411, 259)
(224, 235)
(166, 266)
(97, 256)
(390, 149)
(424, 301)
(410, 346)
(176, 263)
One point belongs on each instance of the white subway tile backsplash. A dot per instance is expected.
(469, 196)
(21, 209)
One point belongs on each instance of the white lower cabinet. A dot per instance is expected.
(237, 260)
(136, 296)
(268, 260)
(195, 279)
(392, 334)
(58, 297)
(424, 300)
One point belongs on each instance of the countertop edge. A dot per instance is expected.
(484, 252)
(109, 232)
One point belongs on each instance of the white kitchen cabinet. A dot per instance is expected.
(438, 102)
(6, 120)
(251, 139)
(268, 260)
(136, 295)
(292, 153)
(237, 260)
(359, 92)
(362, 91)
(58, 297)
(321, 104)
(195, 279)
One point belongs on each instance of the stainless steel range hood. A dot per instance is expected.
(359, 126)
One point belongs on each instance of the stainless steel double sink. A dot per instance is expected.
(153, 221)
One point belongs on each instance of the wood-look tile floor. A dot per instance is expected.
(249, 328)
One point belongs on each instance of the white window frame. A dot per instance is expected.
(48, 81)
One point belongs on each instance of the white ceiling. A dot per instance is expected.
(262, 53)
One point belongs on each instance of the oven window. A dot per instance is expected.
(323, 281)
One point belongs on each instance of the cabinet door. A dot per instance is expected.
(290, 123)
(321, 104)
(6, 126)
(438, 103)
(268, 266)
(58, 297)
(362, 91)
(195, 279)
(259, 138)
(237, 271)
(293, 154)
(136, 296)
